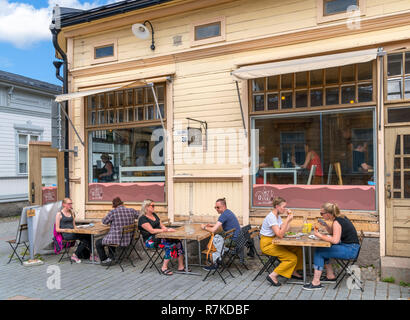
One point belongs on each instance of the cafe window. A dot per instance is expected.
(126, 145)
(398, 77)
(347, 85)
(306, 150)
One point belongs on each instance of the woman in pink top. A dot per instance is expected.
(312, 158)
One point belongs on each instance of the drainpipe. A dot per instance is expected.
(55, 29)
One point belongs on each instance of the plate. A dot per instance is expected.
(297, 235)
(313, 237)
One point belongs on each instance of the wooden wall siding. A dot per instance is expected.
(244, 20)
(99, 211)
(203, 197)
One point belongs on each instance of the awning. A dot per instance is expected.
(305, 64)
(80, 94)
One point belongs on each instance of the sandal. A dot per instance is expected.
(184, 270)
(167, 272)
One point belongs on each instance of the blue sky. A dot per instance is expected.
(25, 39)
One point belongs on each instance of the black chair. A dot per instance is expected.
(15, 243)
(346, 265)
(227, 240)
(153, 254)
(134, 243)
(123, 251)
(67, 244)
(268, 262)
(237, 251)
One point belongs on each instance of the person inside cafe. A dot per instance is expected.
(291, 258)
(107, 172)
(344, 240)
(312, 158)
(117, 218)
(262, 164)
(65, 219)
(359, 163)
(227, 221)
(150, 224)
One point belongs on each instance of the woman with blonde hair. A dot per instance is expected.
(290, 257)
(344, 240)
(149, 224)
(65, 219)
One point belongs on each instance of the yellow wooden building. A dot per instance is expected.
(245, 91)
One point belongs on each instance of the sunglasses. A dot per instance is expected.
(69, 203)
(152, 205)
(217, 207)
(322, 213)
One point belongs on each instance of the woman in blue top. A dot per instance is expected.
(344, 240)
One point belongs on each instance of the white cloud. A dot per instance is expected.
(23, 25)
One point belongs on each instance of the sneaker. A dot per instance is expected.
(211, 267)
(311, 287)
(75, 259)
(96, 259)
(106, 262)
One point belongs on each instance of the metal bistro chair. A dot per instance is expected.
(346, 265)
(151, 254)
(124, 250)
(237, 251)
(15, 243)
(227, 239)
(269, 262)
(134, 243)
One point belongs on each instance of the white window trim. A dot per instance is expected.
(320, 18)
(222, 37)
(19, 146)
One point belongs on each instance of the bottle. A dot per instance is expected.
(288, 163)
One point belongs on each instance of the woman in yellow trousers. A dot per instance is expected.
(290, 257)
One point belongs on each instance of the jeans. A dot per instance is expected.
(83, 250)
(101, 251)
(340, 251)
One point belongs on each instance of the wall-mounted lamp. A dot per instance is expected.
(141, 31)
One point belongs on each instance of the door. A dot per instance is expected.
(397, 155)
(46, 173)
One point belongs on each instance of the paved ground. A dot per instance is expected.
(85, 281)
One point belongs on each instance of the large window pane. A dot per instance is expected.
(327, 140)
(395, 64)
(133, 157)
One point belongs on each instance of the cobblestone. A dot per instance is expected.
(93, 282)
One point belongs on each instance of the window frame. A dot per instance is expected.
(122, 125)
(222, 37)
(308, 88)
(402, 77)
(101, 44)
(322, 18)
(254, 153)
(19, 146)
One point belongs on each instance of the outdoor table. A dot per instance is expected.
(184, 233)
(304, 242)
(97, 230)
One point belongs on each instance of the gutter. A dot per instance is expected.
(55, 28)
(108, 10)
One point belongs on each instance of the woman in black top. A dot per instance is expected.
(65, 219)
(344, 240)
(149, 225)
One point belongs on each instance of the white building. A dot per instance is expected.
(25, 114)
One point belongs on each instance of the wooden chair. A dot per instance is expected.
(124, 250)
(15, 243)
(338, 171)
(311, 174)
